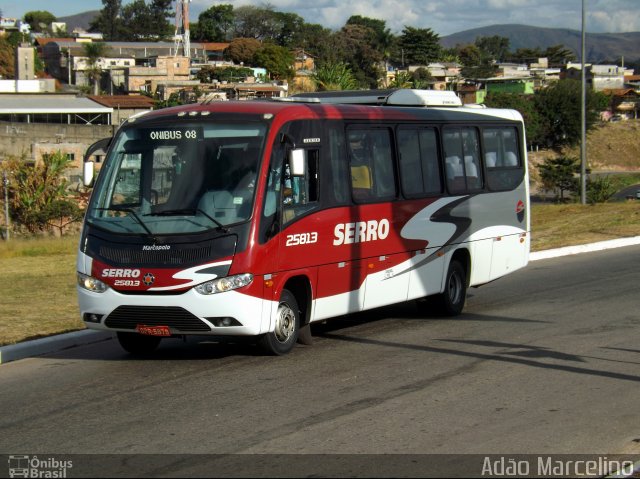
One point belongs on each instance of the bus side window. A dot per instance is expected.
(371, 165)
(462, 160)
(504, 167)
(419, 169)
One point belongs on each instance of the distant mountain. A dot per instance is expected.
(80, 20)
(600, 47)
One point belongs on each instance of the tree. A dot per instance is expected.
(559, 175)
(559, 107)
(334, 76)
(469, 55)
(525, 104)
(60, 213)
(256, 22)
(356, 44)
(147, 22)
(39, 20)
(36, 191)
(421, 46)
(215, 23)
(94, 51)
(108, 21)
(277, 60)
(7, 59)
(493, 49)
(242, 50)
(231, 74)
(558, 55)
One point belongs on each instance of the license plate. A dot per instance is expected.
(153, 330)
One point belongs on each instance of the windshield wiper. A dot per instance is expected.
(190, 211)
(133, 213)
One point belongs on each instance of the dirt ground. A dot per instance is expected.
(611, 147)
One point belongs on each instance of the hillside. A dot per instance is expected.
(80, 20)
(611, 147)
(600, 46)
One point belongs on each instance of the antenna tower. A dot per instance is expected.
(182, 28)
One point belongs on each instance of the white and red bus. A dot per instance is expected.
(258, 218)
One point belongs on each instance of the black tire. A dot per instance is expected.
(284, 337)
(138, 344)
(451, 301)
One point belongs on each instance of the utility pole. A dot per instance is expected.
(583, 117)
(5, 182)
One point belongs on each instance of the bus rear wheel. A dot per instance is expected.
(138, 344)
(285, 334)
(451, 301)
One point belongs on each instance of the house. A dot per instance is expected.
(123, 106)
(599, 77)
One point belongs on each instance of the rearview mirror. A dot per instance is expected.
(87, 173)
(297, 163)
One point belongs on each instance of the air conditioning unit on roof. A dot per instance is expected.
(394, 97)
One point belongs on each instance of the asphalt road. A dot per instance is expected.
(545, 361)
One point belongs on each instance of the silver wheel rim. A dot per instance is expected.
(285, 323)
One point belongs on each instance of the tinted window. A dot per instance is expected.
(462, 160)
(371, 163)
(502, 158)
(419, 170)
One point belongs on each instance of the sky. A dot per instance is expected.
(443, 17)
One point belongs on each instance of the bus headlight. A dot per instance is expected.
(91, 284)
(225, 284)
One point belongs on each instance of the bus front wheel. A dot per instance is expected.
(451, 300)
(285, 334)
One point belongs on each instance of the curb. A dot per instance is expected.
(584, 248)
(51, 344)
(59, 342)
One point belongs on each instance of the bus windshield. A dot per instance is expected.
(166, 179)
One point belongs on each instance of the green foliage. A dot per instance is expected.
(214, 24)
(276, 59)
(355, 46)
(109, 22)
(600, 189)
(38, 193)
(208, 74)
(421, 46)
(242, 50)
(94, 51)
(334, 76)
(495, 48)
(524, 104)
(60, 213)
(559, 109)
(136, 21)
(7, 59)
(559, 175)
(40, 20)
(402, 80)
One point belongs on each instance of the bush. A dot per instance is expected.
(600, 189)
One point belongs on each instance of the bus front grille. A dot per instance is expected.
(171, 257)
(128, 317)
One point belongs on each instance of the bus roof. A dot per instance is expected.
(332, 109)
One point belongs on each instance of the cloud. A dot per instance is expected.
(450, 16)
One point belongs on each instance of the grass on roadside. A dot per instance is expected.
(39, 276)
(38, 288)
(554, 225)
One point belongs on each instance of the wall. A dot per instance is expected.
(34, 139)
